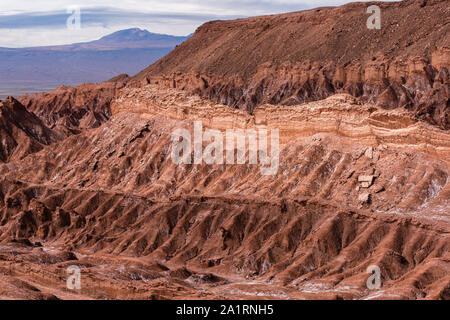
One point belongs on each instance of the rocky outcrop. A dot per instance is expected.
(21, 132)
(310, 55)
(33, 121)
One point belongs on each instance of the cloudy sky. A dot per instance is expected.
(44, 22)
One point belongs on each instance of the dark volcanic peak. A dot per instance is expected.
(40, 69)
(133, 38)
(128, 38)
(136, 35)
(132, 34)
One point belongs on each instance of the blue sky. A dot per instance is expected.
(43, 22)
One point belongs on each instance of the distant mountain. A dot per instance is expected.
(123, 39)
(138, 38)
(36, 69)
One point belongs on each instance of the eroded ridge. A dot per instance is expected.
(356, 186)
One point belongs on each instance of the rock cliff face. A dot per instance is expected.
(305, 56)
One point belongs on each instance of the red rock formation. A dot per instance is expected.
(21, 132)
(309, 55)
(356, 186)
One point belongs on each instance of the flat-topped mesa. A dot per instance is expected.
(309, 55)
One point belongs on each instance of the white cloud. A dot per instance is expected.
(225, 7)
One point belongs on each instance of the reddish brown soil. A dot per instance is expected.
(86, 176)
